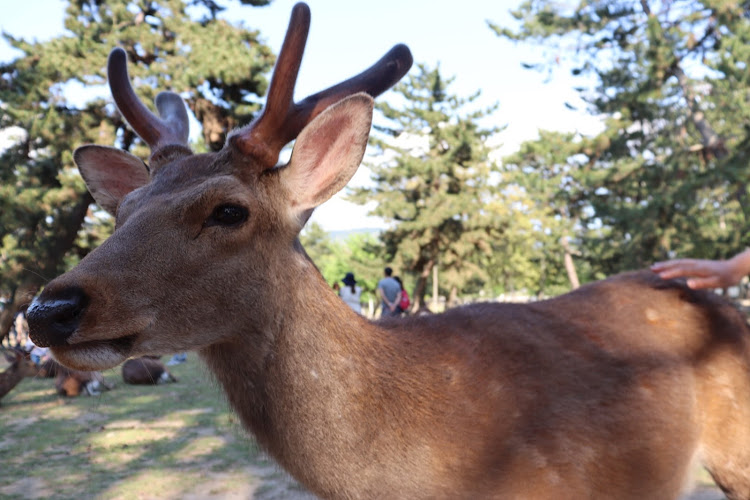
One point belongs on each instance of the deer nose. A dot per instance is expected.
(53, 319)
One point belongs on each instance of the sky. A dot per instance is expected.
(347, 36)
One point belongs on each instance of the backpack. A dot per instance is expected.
(404, 303)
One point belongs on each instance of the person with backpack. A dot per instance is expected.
(389, 292)
(403, 301)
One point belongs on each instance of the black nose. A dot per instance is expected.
(54, 317)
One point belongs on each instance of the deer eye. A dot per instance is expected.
(227, 215)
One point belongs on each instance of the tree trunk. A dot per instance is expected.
(435, 288)
(215, 121)
(569, 265)
(453, 297)
(712, 143)
(420, 289)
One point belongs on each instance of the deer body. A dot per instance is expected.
(476, 402)
(612, 391)
(72, 383)
(146, 370)
(20, 367)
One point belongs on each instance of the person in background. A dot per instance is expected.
(350, 293)
(389, 292)
(701, 273)
(21, 327)
(36, 354)
(178, 358)
(403, 301)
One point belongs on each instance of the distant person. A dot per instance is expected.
(337, 288)
(350, 293)
(389, 292)
(21, 327)
(36, 354)
(706, 273)
(178, 358)
(403, 302)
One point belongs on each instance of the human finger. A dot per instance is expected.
(682, 268)
(704, 282)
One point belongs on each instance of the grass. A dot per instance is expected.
(162, 442)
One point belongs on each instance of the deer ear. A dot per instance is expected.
(110, 173)
(327, 153)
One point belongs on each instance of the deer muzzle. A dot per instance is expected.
(53, 318)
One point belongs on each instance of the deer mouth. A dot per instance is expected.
(95, 354)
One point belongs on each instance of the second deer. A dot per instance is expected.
(615, 390)
(20, 366)
(146, 370)
(71, 382)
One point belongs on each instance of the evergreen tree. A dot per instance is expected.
(545, 173)
(46, 222)
(668, 174)
(433, 181)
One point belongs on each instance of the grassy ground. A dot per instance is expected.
(169, 441)
(176, 441)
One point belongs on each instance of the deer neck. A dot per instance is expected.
(298, 381)
(10, 378)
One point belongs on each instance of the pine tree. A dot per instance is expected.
(46, 221)
(435, 189)
(668, 174)
(545, 173)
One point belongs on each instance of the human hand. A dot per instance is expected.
(700, 273)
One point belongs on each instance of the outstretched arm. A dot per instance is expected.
(706, 273)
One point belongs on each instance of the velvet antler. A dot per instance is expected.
(282, 119)
(159, 133)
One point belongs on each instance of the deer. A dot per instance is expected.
(20, 367)
(71, 383)
(614, 390)
(146, 370)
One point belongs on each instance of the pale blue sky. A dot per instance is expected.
(347, 36)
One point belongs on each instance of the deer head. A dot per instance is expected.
(198, 234)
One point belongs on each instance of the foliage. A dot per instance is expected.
(358, 253)
(668, 174)
(48, 95)
(432, 179)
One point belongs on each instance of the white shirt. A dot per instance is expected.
(351, 299)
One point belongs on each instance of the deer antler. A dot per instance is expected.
(169, 130)
(282, 119)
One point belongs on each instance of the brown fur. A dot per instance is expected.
(611, 391)
(20, 366)
(146, 370)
